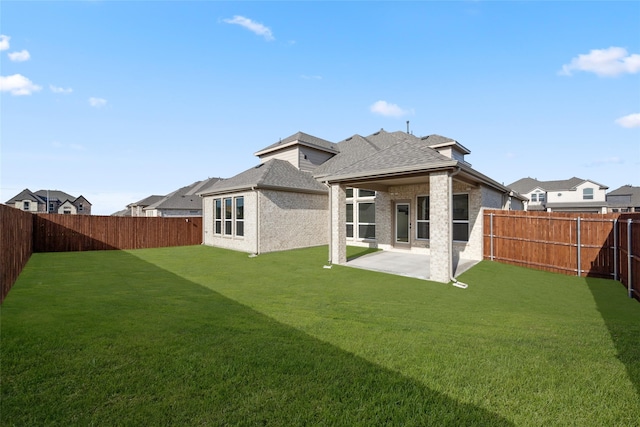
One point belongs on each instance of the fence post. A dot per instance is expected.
(629, 258)
(578, 241)
(615, 249)
(491, 233)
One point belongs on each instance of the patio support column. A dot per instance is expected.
(338, 231)
(440, 225)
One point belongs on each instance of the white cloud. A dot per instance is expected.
(56, 89)
(609, 62)
(18, 85)
(606, 161)
(630, 121)
(252, 26)
(21, 56)
(97, 102)
(4, 42)
(76, 147)
(390, 110)
(307, 77)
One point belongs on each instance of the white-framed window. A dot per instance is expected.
(587, 194)
(541, 197)
(25, 206)
(366, 220)
(217, 216)
(228, 216)
(461, 217)
(239, 211)
(350, 220)
(80, 207)
(50, 207)
(361, 214)
(422, 221)
(534, 197)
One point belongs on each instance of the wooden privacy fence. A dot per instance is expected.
(23, 233)
(16, 245)
(596, 245)
(66, 233)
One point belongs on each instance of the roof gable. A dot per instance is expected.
(25, 194)
(299, 138)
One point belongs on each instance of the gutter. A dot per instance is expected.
(450, 240)
(399, 170)
(257, 219)
(330, 259)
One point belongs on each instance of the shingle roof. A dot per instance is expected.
(382, 152)
(274, 174)
(525, 185)
(147, 201)
(25, 194)
(183, 198)
(54, 195)
(438, 141)
(632, 193)
(300, 138)
(356, 147)
(40, 196)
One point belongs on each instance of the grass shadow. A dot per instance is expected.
(107, 338)
(622, 318)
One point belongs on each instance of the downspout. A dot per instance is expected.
(257, 219)
(450, 191)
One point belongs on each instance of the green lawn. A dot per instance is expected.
(203, 336)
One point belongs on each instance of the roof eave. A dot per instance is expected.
(392, 172)
(260, 187)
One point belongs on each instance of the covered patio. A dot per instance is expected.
(404, 264)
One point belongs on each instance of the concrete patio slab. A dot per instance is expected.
(403, 264)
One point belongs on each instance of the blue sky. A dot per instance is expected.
(120, 100)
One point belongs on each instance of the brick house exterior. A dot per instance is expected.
(392, 191)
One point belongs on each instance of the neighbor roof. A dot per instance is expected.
(273, 174)
(147, 201)
(40, 196)
(525, 185)
(300, 138)
(183, 198)
(632, 196)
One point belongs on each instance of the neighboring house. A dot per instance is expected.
(51, 201)
(569, 195)
(624, 199)
(137, 208)
(394, 191)
(183, 202)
